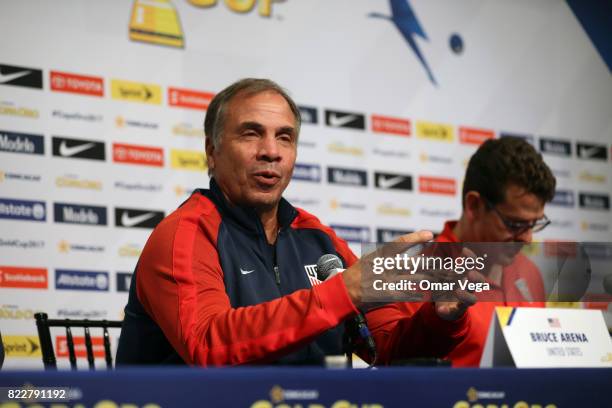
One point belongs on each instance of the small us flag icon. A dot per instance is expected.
(311, 272)
(554, 322)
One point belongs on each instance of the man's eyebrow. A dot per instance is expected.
(251, 126)
(286, 129)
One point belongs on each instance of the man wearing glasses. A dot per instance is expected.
(506, 187)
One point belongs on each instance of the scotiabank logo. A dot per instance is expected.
(394, 126)
(26, 278)
(468, 135)
(80, 350)
(187, 98)
(437, 185)
(144, 155)
(79, 84)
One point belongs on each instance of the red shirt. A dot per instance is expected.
(474, 325)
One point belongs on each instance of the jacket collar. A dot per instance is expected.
(246, 217)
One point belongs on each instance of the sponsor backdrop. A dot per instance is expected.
(101, 111)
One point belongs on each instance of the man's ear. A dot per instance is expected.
(474, 205)
(210, 148)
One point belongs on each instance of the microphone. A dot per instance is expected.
(329, 265)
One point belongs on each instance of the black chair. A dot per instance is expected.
(43, 323)
(1, 351)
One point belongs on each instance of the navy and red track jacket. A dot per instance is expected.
(209, 290)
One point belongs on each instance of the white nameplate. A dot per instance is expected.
(542, 337)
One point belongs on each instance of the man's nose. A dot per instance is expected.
(268, 149)
(525, 236)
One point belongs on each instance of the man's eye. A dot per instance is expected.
(285, 137)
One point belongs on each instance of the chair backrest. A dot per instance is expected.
(1, 351)
(43, 323)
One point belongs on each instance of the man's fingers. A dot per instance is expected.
(415, 237)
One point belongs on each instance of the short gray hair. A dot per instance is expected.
(215, 114)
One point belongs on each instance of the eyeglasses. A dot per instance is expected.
(519, 227)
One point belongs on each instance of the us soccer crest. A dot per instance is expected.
(311, 272)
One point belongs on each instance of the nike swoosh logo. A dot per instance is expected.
(589, 151)
(66, 151)
(242, 271)
(9, 77)
(384, 182)
(338, 121)
(128, 221)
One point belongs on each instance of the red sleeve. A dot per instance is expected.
(400, 330)
(181, 287)
(414, 330)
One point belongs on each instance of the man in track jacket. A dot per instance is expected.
(228, 279)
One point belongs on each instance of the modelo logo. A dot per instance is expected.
(137, 218)
(352, 233)
(123, 281)
(307, 172)
(23, 210)
(78, 148)
(309, 114)
(563, 198)
(15, 142)
(79, 214)
(555, 147)
(21, 76)
(593, 201)
(388, 235)
(392, 181)
(347, 177)
(81, 280)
